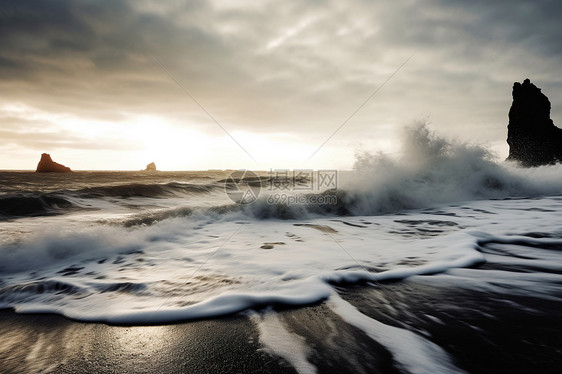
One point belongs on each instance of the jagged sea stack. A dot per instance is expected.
(532, 137)
(151, 167)
(47, 165)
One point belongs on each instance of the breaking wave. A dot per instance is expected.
(37, 204)
(179, 261)
(18, 206)
(430, 170)
(146, 190)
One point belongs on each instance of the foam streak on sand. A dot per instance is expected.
(278, 341)
(411, 352)
(305, 294)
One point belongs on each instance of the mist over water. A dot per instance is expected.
(433, 170)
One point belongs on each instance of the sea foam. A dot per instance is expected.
(428, 170)
(439, 208)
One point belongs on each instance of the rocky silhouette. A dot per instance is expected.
(47, 165)
(533, 138)
(151, 167)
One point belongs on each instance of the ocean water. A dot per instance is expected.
(149, 248)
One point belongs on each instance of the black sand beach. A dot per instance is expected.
(482, 332)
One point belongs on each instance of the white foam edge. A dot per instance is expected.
(413, 353)
(306, 293)
(277, 340)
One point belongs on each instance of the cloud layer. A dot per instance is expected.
(270, 68)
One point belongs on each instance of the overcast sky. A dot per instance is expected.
(97, 83)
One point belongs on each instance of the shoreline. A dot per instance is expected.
(481, 332)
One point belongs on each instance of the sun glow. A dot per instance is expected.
(136, 140)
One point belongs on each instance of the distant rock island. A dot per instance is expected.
(47, 165)
(151, 167)
(533, 138)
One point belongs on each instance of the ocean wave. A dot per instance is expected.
(51, 245)
(21, 205)
(186, 268)
(154, 190)
(430, 170)
(39, 204)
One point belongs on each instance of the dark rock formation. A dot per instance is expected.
(47, 165)
(151, 167)
(532, 137)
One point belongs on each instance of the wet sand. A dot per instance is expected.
(483, 333)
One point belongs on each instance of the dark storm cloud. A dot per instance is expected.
(293, 67)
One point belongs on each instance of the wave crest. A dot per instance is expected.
(430, 170)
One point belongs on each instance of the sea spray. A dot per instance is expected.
(428, 170)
